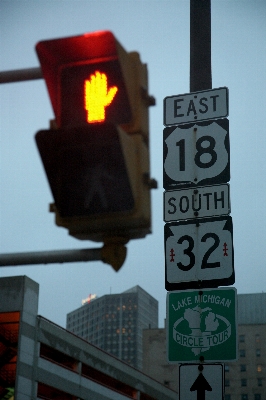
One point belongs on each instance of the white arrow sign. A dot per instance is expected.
(201, 382)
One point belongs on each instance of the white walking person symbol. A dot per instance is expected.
(98, 175)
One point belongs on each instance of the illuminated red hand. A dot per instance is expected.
(97, 97)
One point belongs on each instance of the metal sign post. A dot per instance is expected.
(198, 234)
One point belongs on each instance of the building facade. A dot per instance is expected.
(41, 360)
(245, 379)
(115, 323)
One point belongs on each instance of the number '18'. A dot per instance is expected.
(201, 149)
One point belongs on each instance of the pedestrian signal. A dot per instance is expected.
(97, 178)
(96, 157)
(92, 79)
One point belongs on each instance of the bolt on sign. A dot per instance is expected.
(201, 325)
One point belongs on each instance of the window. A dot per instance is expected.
(57, 357)
(9, 328)
(243, 382)
(259, 381)
(48, 392)
(227, 382)
(242, 353)
(103, 379)
(227, 397)
(241, 338)
(226, 367)
(259, 368)
(257, 396)
(257, 338)
(244, 397)
(258, 352)
(242, 367)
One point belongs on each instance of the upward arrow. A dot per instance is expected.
(200, 385)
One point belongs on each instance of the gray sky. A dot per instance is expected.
(159, 31)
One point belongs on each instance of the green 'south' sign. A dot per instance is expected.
(201, 325)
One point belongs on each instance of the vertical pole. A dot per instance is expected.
(200, 45)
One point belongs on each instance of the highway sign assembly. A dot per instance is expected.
(206, 201)
(199, 253)
(196, 106)
(196, 154)
(201, 325)
(198, 234)
(201, 382)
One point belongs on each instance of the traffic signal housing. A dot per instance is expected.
(77, 70)
(96, 157)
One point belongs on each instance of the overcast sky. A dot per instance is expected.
(159, 31)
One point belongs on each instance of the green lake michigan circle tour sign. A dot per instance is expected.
(201, 325)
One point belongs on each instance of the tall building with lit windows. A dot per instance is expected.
(115, 323)
(41, 360)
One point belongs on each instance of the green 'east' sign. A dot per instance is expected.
(201, 325)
